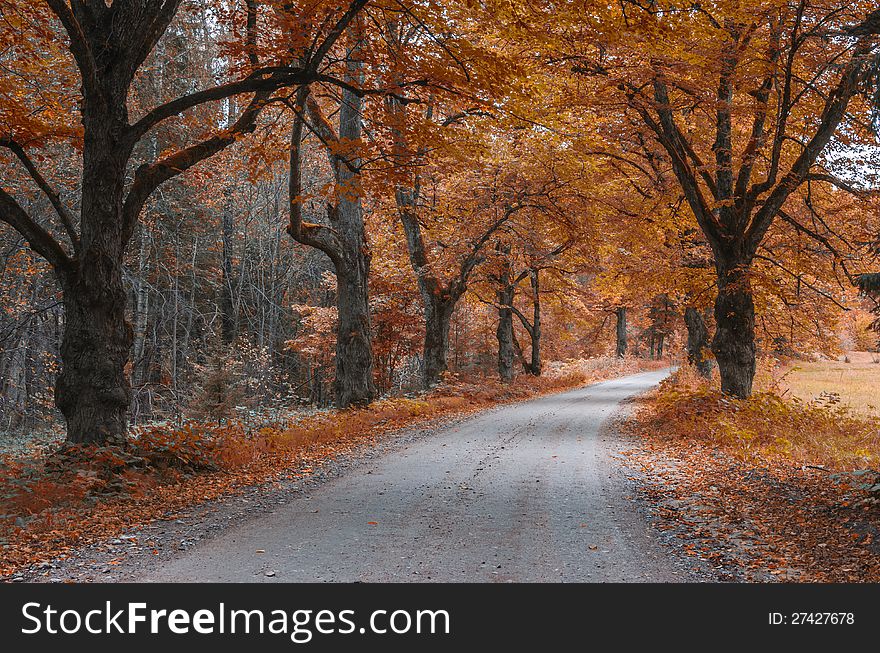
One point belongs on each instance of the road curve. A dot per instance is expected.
(526, 492)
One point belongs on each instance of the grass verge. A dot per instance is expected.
(853, 382)
(767, 488)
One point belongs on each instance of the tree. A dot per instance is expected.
(620, 331)
(344, 239)
(109, 44)
(779, 68)
(697, 341)
(442, 291)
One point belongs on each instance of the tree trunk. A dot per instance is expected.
(535, 333)
(438, 316)
(93, 391)
(620, 312)
(698, 342)
(227, 309)
(354, 383)
(316, 387)
(734, 341)
(504, 332)
(141, 315)
(109, 43)
(506, 349)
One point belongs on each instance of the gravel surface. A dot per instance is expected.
(534, 491)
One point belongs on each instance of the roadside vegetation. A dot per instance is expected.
(774, 487)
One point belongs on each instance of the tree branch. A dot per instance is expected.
(314, 235)
(265, 80)
(79, 46)
(666, 134)
(150, 34)
(836, 181)
(523, 319)
(313, 60)
(149, 177)
(473, 258)
(54, 198)
(39, 240)
(832, 114)
(800, 279)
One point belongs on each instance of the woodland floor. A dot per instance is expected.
(760, 525)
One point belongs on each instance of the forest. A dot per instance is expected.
(241, 235)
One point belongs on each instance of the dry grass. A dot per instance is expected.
(768, 487)
(764, 427)
(856, 383)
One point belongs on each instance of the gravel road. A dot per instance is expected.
(534, 491)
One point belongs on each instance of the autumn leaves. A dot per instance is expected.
(512, 155)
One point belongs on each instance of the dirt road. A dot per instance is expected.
(528, 492)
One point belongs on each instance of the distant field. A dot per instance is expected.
(857, 382)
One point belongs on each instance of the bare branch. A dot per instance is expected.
(149, 177)
(39, 240)
(314, 235)
(265, 80)
(800, 278)
(54, 198)
(832, 113)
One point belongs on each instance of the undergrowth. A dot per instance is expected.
(764, 426)
(765, 488)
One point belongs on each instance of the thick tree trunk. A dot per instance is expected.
(620, 312)
(698, 342)
(93, 391)
(438, 316)
(344, 241)
(354, 384)
(734, 341)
